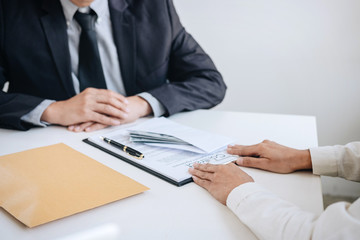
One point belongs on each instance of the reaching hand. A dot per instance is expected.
(219, 180)
(271, 156)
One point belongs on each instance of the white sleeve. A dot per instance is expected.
(34, 116)
(337, 161)
(157, 108)
(270, 217)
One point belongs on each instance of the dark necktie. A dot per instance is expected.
(90, 70)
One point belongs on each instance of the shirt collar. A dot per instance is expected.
(100, 7)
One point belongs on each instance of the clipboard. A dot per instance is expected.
(166, 162)
(142, 167)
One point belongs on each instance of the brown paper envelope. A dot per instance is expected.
(47, 183)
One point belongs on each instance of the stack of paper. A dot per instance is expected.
(151, 137)
(163, 132)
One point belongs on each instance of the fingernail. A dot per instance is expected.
(115, 122)
(77, 129)
(127, 110)
(240, 161)
(88, 129)
(126, 101)
(190, 169)
(71, 128)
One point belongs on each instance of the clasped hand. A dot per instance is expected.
(95, 109)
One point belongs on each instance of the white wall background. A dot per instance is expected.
(289, 57)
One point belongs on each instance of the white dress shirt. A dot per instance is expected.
(270, 217)
(108, 55)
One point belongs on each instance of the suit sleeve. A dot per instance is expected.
(194, 81)
(12, 106)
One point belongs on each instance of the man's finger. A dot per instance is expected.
(115, 102)
(252, 150)
(201, 182)
(107, 97)
(261, 163)
(115, 99)
(205, 167)
(79, 127)
(109, 110)
(112, 94)
(103, 119)
(82, 126)
(201, 174)
(94, 127)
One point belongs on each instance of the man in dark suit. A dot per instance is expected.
(148, 63)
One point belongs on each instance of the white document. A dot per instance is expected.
(198, 141)
(171, 163)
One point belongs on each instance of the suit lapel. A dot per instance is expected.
(54, 25)
(123, 26)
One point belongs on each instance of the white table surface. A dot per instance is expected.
(167, 211)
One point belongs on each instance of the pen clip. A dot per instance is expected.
(137, 157)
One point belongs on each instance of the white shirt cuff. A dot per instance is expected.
(157, 108)
(34, 116)
(324, 161)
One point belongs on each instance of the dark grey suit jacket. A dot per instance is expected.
(156, 55)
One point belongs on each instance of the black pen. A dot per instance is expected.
(122, 147)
